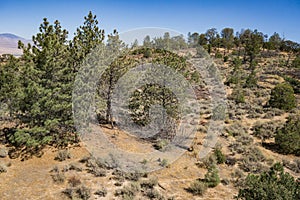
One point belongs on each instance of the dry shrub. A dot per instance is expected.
(59, 177)
(197, 188)
(63, 155)
(102, 192)
(129, 191)
(74, 181)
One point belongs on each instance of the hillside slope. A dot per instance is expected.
(9, 44)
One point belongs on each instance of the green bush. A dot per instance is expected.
(164, 163)
(296, 62)
(147, 53)
(30, 138)
(238, 95)
(295, 83)
(251, 80)
(218, 55)
(220, 157)
(288, 137)
(161, 144)
(282, 97)
(226, 58)
(236, 74)
(274, 184)
(212, 178)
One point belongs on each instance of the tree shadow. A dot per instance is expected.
(272, 146)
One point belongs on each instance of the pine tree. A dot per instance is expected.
(47, 84)
(251, 80)
(274, 42)
(252, 42)
(236, 75)
(10, 84)
(86, 39)
(288, 137)
(114, 71)
(227, 38)
(274, 184)
(147, 42)
(282, 97)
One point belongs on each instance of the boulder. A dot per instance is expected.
(3, 152)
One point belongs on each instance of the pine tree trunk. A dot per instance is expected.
(109, 116)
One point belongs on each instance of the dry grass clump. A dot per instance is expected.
(63, 155)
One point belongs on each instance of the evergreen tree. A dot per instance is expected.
(211, 35)
(274, 184)
(251, 80)
(42, 97)
(282, 97)
(147, 42)
(46, 97)
(237, 42)
(288, 137)
(135, 44)
(274, 42)
(236, 74)
(86, 38)
(252, 42)
(290, 47)
(296, 62)
(227, 38)
(113, 72)
(10, 84)
(202, 40)
(194, 39)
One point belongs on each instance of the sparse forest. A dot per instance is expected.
(257, 154)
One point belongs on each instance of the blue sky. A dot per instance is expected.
(23, 17)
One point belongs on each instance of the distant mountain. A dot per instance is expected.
(9, 44)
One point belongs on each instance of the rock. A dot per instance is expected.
(2, 168)
(3, 152)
